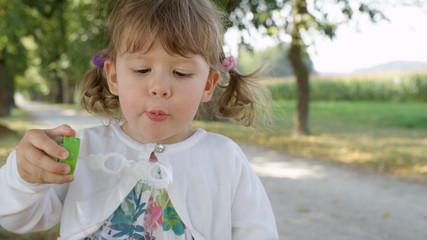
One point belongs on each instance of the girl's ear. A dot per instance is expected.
(110, 72)
(213, 80)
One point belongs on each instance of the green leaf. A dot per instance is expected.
(172, 221)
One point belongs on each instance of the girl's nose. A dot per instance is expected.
(160, 90)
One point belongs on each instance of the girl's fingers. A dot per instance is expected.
(37, 175)
(61, 131)
(44, 140)
(34, 152)
(40, 140)
(41, 160)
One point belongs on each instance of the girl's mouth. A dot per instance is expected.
(157, 115)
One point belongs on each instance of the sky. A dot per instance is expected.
(403, 38)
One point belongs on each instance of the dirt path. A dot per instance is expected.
(50, 116)
(313, 199)
(319, 200)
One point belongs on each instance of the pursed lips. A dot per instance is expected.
(157, 115)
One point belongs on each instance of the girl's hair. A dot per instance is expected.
(183, 27)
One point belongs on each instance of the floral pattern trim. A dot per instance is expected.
(145, 214)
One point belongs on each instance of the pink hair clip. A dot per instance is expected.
(228, 63)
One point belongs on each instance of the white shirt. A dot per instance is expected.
(214, 190)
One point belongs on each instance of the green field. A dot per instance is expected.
(390, 88)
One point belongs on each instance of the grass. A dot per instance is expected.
(46, 235)
(377, 136)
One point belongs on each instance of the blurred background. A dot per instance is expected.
(348, 78)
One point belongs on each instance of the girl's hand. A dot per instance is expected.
(33, 160)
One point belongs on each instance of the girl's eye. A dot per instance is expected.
(180, 74)
(142, 70)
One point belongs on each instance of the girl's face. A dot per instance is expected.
(160, 93)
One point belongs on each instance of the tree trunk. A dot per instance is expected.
(6, 91)
(303, 92)
(295, 55)
(62, 91)
(10, 88)
(3, 106)
(68, 89)
(57, 91)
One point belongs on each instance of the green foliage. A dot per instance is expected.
(47, 45)
(13, 25)
(73, 28)
(398, 89)
(272, 16)
(86, 21)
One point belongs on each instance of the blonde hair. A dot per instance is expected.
(183, 27)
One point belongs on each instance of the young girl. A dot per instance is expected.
(151, 177)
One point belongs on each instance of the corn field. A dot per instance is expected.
(412, 88)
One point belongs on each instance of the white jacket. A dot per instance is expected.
(214, 190)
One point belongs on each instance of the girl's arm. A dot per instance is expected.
(27, 203)
(252, 215)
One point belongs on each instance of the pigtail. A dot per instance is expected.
(96, 96)
(243, 99)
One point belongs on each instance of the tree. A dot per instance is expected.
(13, 61)
(64, 32)
(52, 31)
(297, 19)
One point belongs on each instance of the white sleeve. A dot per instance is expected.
(252, 215)
(26, 207)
